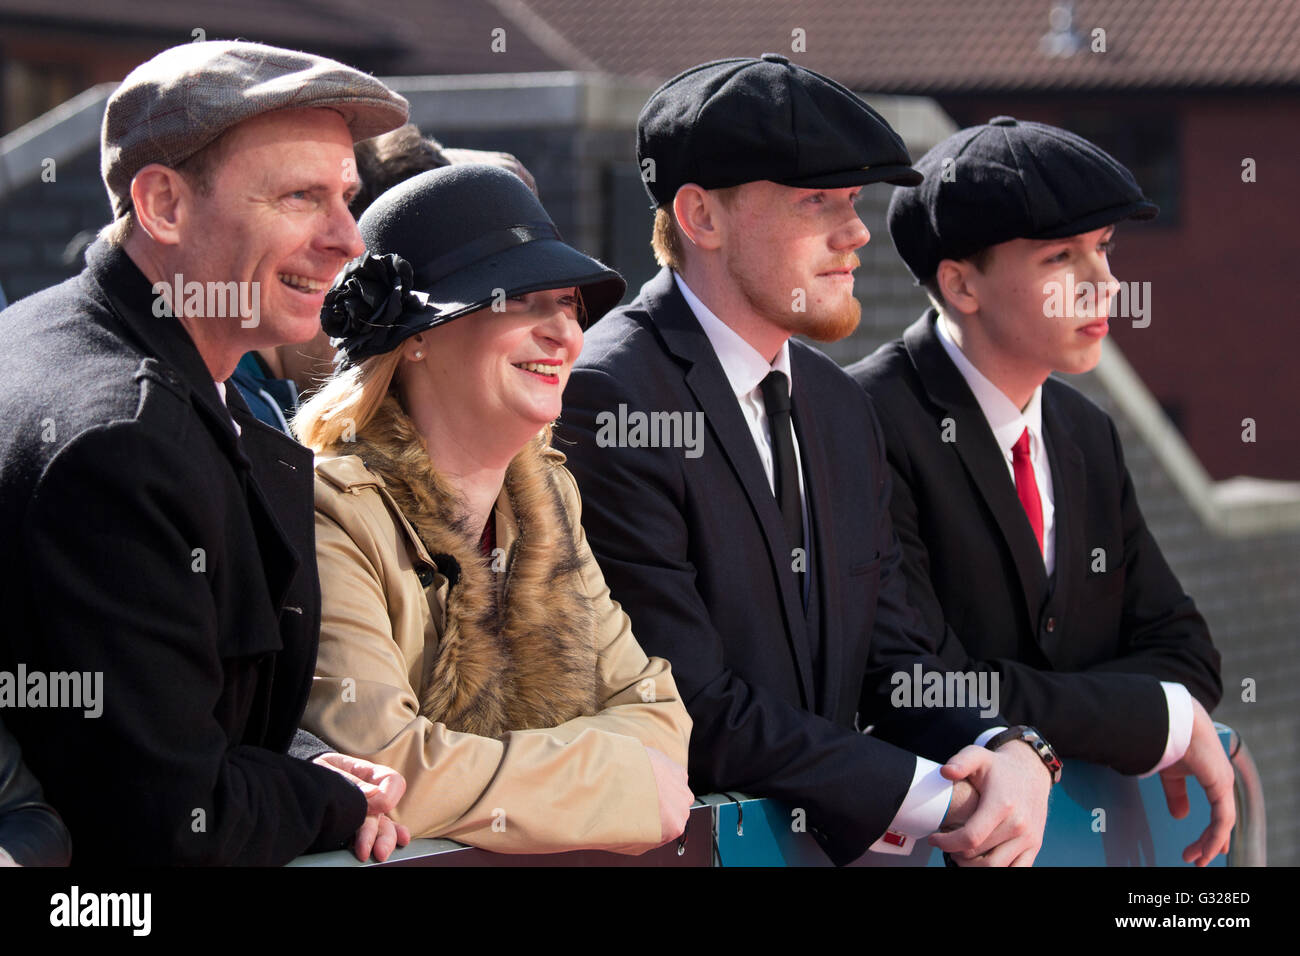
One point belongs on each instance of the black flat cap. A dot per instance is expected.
(1009, 180)
(737, 121)
(446, 243)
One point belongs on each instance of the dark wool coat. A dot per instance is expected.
(144, 540)
(1081, 656)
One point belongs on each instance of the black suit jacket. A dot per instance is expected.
(145, 541)
(1081, 656)
(694, 549)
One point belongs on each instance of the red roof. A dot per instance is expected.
(931, 46)
(890, 46)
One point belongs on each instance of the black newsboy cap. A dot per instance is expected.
(740, 120)
(1009, 180)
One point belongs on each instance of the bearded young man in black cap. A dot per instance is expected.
(741, 547)
(1024, 543)
(161, 541)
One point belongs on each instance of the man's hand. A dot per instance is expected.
(382, 786)
(675, 797)
(381, 836)
(1006, 828)
(1206, 761)
(965, 798)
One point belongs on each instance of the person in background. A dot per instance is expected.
(467, 636)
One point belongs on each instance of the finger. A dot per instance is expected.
(386, 840)
(366, 838)
(1005, 854)
(974, 834)
(337, 761)
(391, 783)
(965, 762)
(1175, 795)
(1008, 831)
(403, 835)
(1027, 858)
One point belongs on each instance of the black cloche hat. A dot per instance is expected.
(447, 243)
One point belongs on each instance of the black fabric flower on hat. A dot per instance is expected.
(363, 311)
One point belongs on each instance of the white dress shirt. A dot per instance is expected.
(1008, 423)
(926, 803)
(221, 392)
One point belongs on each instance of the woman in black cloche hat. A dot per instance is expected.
(467, 635)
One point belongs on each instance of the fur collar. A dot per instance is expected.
(518, 648)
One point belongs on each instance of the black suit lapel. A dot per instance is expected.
(683, 337)
(979, 453)
(1068, 500)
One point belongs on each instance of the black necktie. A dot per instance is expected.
(776, 396)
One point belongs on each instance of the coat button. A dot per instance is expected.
(425, 574)
(1050, 626)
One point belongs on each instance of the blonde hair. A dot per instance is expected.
(666, 241)
(346, 403)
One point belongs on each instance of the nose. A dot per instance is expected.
(341, 234)
(854, 235)
(561, 326)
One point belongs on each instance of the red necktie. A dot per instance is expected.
(1027, 485)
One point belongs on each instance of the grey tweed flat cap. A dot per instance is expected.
(171, 107)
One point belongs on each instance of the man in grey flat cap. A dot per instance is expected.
(160, 556)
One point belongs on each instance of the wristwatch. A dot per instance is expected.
(1032, 737)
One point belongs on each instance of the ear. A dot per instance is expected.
(697, 215)
(415, 348)
(954, 279)
(161, 199)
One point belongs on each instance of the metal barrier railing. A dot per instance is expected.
(1097, 818)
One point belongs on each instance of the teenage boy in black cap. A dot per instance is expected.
(747, 557)
(1023, 539)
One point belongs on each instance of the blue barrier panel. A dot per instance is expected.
(1133, 827)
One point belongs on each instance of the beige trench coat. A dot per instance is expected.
(586, 783)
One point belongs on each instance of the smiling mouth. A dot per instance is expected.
(547, 370)
(303, 283)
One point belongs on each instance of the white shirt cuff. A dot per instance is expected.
(988, 735)
(922, 812)
(1179, 701)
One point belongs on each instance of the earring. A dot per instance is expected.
(419, 354)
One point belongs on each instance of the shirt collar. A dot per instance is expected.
(1007, 422)
(742, 363)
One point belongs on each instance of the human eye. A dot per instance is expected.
(1108, 246)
